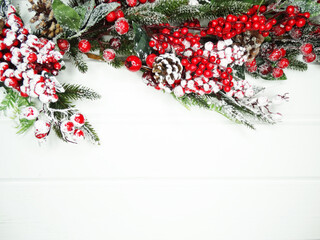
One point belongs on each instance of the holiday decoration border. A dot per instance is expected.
(199, 51)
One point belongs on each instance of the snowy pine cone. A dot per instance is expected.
(167, 68)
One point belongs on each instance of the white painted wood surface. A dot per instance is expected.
(166, 173)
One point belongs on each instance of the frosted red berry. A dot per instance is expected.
(277, 73)
(283, 63)
(109, 55)
(306, 48)
(122, 26)
(84, 46)
(309, 58)
(63, 45)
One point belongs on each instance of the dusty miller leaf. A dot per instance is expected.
(66, 16)
(100, 12)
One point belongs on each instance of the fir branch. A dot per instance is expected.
(93, 136)
(77, 92)
(65, 104)
(76, 57)
(211, 102)
(24, 125)
(298, 65)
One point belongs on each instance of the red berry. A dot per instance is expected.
(119, 14)
(309, 58)
(152, 44)
(283, 63)
(290, 9)
(227, 88)
(263, 9)
(115, 43)
(7, 57)
(150, 60)
(122, 26)
(78, 119)
(295, 33)
(265, 69)
(57, 66)
(275, 55)
(32, 57)
(207, 74)
(278, 31)
(133, 63)
(277, 73)
(109, 55)
(84, 46)
(142, 1)
(301, 22)
(307, 14)
(243, 18)
(283, 52)
(111, 17)
(131, 3)
(306, 48)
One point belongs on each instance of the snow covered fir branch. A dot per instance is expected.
(199, 51)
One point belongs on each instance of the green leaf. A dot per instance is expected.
(66, 16)
(100, 12)
(85, 11)
(141, 40)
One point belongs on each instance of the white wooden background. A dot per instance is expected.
(166, 173)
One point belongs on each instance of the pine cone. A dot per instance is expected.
(44, 15)
(251, 40)
(167, 68)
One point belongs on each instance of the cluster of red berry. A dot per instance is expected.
(308, 53)
(277, 62)
(291, 20)
(26, 61)
(166, 40)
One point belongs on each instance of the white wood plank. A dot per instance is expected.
(157, 210)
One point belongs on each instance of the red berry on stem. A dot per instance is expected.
(84, 46)
(32, 57)
(63, 45)
(301, 22)
(109, 55)
(150, 59)
(133, 63)
(290, 9)
(283, 63)
(122, 26)
(119, 14)
(306, 48)
(131, 3)
(277, 73)
(111, 17)
(309, 58)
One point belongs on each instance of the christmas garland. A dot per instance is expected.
(198, 51)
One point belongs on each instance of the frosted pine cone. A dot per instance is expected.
(167, 68)
(251, 41)
(44, 15)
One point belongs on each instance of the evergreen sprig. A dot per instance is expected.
(76, 57)
(74, 92)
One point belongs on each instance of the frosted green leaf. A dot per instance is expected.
(66, 16)
(85, 11)
(100, 12)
